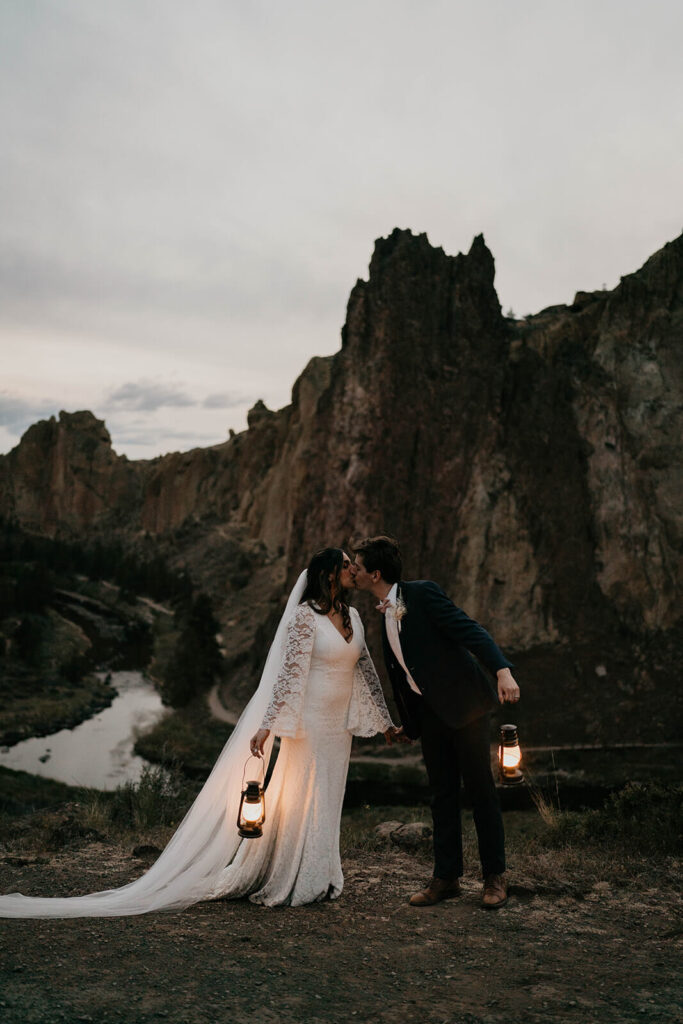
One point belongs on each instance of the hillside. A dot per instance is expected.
(531, 467)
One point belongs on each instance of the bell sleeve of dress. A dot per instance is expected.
(283, 714)
(368, 713)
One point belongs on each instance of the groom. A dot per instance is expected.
(443, 696)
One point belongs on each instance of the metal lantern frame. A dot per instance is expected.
(254, 792)
(509, 775)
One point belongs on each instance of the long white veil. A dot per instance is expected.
(206, 840)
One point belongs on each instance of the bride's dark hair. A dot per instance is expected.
(318, 592)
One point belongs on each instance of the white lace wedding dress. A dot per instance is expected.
(327, 689)
(316, 691)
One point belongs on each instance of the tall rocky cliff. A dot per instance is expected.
(531, 467)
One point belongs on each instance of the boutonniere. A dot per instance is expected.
(397, 611)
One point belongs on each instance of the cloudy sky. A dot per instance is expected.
(188, 191)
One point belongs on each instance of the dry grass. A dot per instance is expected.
(633, 839)
(550, 850)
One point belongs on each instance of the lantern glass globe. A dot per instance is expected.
(512, 757)
(252, 812)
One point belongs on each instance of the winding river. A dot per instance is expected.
(99, 752)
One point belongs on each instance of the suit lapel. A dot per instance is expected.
(405, 631)
(411, 636)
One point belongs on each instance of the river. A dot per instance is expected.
(99, 752)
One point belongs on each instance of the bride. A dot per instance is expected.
(319, 687)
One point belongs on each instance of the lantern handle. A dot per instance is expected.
(263, 767)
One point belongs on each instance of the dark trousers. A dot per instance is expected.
(450, 754)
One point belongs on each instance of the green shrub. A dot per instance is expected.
(159, 797)
(643, 818)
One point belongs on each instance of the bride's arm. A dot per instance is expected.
(369, 714)
(283, 712)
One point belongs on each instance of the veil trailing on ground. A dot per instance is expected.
(206, 840)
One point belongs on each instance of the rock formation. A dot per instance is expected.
(528, 466)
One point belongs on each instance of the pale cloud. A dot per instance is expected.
(188, 192)
(224, 400)
(17, 414)
(144, 418)
(146, 396)
(149, 395)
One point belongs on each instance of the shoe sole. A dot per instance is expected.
(495, 906)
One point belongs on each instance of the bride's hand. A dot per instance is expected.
(257, 742)
(395, 734)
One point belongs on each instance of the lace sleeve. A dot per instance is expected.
(283, 714)
(368, 713)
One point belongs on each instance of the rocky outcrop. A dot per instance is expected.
(528, 466)
(64, 478)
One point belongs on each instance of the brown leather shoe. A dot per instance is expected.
(495, 892)
(438, 889)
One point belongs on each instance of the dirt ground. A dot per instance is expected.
(609, 954)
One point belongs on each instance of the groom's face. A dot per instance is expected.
(362, 579)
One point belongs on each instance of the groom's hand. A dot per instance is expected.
(396, 735)
(507, 687)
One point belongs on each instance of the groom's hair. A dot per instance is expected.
(381, 553)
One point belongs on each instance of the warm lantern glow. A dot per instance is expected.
(252, 812)
(512, 757)
(509, 756)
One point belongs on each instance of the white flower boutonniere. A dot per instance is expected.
(400, 611)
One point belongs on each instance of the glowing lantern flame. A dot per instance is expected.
(512, 757)
(252, 813)
(509, 756)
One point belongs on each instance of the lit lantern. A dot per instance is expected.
(252, 810)
(509, 756)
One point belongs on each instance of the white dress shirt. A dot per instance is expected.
(393, 630)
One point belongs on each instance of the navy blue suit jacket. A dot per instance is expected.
(437, 642)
